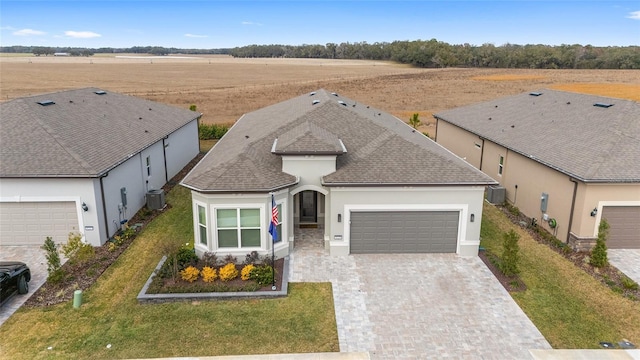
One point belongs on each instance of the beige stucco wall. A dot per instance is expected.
(597, 196)
(533, 178)
(460, 142)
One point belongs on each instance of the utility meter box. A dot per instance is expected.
(544, 201)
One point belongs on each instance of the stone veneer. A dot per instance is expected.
(583, 244)
(145, 298)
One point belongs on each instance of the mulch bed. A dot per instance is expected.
(608, 275)
(181, 286)
(82, 276)
(510, 283)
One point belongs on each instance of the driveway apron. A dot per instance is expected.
(416, 306)
(627, 261)
(35, 258)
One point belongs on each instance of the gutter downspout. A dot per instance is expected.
(436, 137)
(164, 155)
(104, 206)
(573, 206)
(481, 154)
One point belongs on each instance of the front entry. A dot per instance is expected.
(308, 206)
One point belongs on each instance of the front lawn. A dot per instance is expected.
(111, 323)
(569, 307)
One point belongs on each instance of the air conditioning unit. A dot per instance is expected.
(496, 194)
(155, 199)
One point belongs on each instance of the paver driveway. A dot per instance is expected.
(36, 259)
(410, 306)
(627, 261)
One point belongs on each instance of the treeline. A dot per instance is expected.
(421, 53)
(437, 54)
(154, 50)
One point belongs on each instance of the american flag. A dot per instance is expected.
(273, 227)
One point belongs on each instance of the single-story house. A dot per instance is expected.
(85, 161)
(372, 183)
(567, 160)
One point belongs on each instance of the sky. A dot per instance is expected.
(211, 24)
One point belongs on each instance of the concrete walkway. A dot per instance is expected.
(627, 261)
(413, 306)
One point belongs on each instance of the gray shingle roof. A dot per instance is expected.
(308, 138)
(83, 134)
(562, 130)
(381, 150)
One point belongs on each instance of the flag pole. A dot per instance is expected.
(273, 246)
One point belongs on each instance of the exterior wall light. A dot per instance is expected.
(473, 217)
(85, 207)
(594, 212)
(339, 217)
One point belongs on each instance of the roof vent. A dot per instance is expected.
(334, 94)
(100, 92)
(603, 105)
(342, 103)
(315, 102)
(313, 93)
(46, 102)
(535, 93)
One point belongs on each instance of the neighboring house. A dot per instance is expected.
(84, 160)
(569, 157)
(371, 182)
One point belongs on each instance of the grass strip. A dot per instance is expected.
(302, 322)
(569, 307)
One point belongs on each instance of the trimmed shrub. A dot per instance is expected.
(245, 274)
(599, 252)
(190, 274)
(510, 256)
(228, 272)
(263, 275)
(56, 274)
(209, 274)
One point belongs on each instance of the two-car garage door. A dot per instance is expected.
(29, 223)
(624, 226)
(404, 232)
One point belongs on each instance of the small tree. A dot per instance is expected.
(599, 252)
(510, 256)
(54, 267)
(193, 107)
(414, 120)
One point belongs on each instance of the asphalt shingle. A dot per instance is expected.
(83, 134)
(562, 130)
(381, 149)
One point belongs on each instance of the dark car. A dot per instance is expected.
(14, 277)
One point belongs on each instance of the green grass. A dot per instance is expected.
(302, 322)
(569, 307)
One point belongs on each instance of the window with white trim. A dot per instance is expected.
(238, 228)
(500, 165)
(148, 166)
(202, 225)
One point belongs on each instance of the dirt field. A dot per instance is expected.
(224, 88)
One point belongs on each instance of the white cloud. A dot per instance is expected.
(635, 15)
(28, 32)
(7, 28)
(196, 36)
(251, 23)
(82, 34)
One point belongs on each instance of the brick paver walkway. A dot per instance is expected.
(411, 306)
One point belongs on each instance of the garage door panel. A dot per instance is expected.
(29, 223)
(404, 232)
(624, 226)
